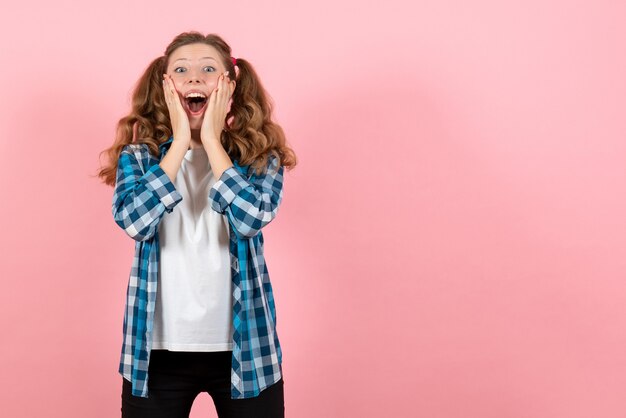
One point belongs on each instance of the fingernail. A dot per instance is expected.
(226, 73)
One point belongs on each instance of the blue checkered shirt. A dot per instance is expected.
(143, 194)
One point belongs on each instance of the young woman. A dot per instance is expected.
(197, 169)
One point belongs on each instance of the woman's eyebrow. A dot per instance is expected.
(203, 58)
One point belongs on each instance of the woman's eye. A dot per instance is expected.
(210, 69)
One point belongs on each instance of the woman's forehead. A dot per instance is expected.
(195, 52)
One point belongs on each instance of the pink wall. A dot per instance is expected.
(452, 243)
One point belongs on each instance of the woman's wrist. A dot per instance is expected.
(181, 139)
(209, 138)
(173, 158)
(218, 158)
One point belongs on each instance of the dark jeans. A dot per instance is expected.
(175, 378)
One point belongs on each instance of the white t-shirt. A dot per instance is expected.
(193, 310)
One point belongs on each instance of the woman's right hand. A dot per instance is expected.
(178, 117)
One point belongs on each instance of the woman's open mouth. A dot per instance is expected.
(195, 103)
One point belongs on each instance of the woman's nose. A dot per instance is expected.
(193, 77)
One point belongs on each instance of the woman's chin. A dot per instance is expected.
(195, 122)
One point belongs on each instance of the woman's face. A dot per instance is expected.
(195, 68)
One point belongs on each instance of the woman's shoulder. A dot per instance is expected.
(137, 150)
(140, 150)
(272, 165)
(132, 148)
(139, 153)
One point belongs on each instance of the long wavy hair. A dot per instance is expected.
(251, 135)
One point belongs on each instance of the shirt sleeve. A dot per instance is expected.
(140, 199)
(249, 204)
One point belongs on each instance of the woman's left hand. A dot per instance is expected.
(215, 115)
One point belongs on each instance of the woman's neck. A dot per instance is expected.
(196, 141)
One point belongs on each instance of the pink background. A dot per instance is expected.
(451, 244)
